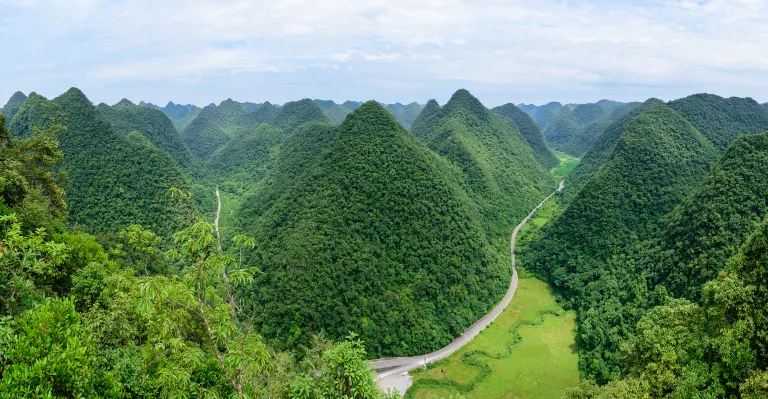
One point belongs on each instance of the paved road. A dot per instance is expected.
(393, 371)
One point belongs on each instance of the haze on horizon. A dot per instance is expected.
(502, 51)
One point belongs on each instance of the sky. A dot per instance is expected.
(390, 50)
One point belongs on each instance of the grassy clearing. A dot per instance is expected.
(567, 163)
(528, 352)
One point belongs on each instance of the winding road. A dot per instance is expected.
(393, 372)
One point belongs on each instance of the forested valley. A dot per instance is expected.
(263, 250)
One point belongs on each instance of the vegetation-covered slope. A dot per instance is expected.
(722, 119)
(213, 127)
(245, 157)
(295, 113)
(12, 106)
(337, 113)
(127, 117)
(576, 129)
(543, 115)
(114, 182)
(266, 113)
(656, 161)
(530, 131)
(376, 237)
(498, 166)
(712, 349)
(294, 156)
(603, 147)
(709, 227)
(410, 113)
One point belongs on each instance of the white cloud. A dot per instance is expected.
(549, 49)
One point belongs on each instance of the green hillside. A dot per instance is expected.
(530, 131)
(246, 156)
(213, 127)
(113, 181)
(375, 237)
(266, 113)
(294, 156)
(127, 117)
(337, 113)
(410, 113)
(712, 349)
(708, 227)
(657, 160)
(497, 165)
(722, 119)
(576, 129)
(295, 113)
(352, 105)
(544, 115)
(603, 147)
(12, 106)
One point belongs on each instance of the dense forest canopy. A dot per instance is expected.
(114, 316)
(498, 167)
(113, 181)
(518, 119)
(127, 117)
(359, 230)
(374, 236)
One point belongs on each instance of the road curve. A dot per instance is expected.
(391, 369)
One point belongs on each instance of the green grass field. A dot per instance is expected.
(528, 352)
(567, 163)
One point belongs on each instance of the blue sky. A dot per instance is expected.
(390, 50)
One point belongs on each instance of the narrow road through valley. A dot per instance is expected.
(393, 371)
(216, 219)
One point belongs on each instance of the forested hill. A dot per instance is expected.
(376, 236)
(153, 124)
(498, 166)
(699, 236)
(295, 155)
(657, 160)
(181, 115)
(213, 127)
(115, 181)
(295, 113)
(603, 148)
(543, 115)
(12, 106)
(266, 113)
(577, 127)
(530, 131)
(722, 119)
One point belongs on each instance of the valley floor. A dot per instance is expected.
(528, 352)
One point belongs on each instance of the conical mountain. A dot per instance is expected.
(266, 113)
(114, 182)
(325, 104)
(395, 112)
(293, 114)
(12, 106)
(375, 237)
(709, 227)
(352, 105)
(576, 129)
(35, 111)
(657, 160)
(545, 114)
(249, 106)
(410, 113)
(153, 124)
(337, 113)
(214, 127)
(246, 156)
(722, 119)
(296, 153)
(518, 119)
(603, 147)
(497, 164)
(425, 125)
